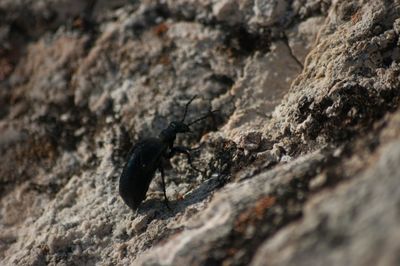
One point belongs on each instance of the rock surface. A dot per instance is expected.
(301, 161)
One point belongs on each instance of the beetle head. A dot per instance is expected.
(175, 127)
(179, 127)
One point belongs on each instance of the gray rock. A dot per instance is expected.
(337, 229)
(300, 161)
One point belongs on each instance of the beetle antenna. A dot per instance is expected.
(186, 107)
(210, 113)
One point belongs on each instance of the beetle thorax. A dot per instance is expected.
(169, 134)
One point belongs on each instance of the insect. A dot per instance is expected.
(146, 157)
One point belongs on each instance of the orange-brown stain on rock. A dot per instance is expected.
(254, 214)
(356, 17)
(160, 29)
(262, 205)
(164, 60)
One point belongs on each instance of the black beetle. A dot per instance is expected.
(146, 157)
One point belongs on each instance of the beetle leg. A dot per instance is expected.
(196, 148)
(186, 151)
(163, 184)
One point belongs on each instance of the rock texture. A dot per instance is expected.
(300, 163)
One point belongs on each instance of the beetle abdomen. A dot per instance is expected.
(133, 186)
(139, 171)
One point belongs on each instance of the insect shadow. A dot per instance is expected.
(197, 195)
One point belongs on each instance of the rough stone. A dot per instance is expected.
(338, 230)
(299, 164)
(302, 37)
